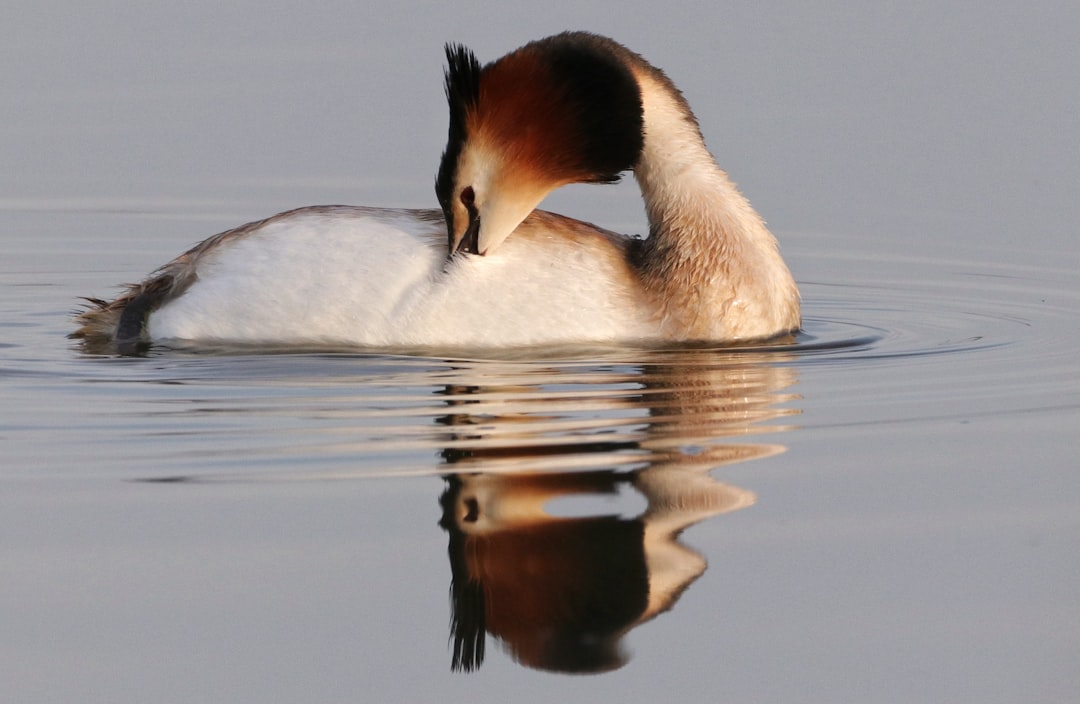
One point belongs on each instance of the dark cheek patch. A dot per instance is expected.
(566, 108)
(606, 102)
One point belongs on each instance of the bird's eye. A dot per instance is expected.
(468, 197)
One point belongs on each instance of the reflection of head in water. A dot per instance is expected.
(559, 592)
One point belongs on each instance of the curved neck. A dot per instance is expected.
(708, 249)
(686, 194)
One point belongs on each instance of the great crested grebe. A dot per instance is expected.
(574, 107)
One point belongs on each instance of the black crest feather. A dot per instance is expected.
(462, 81)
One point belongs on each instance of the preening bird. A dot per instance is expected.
(488, 269)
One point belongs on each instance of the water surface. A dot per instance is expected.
(883, 508)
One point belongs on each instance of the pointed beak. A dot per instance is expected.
(480, 226)
(463, 225)
(469, 242)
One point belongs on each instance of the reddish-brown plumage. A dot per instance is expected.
(519, 120)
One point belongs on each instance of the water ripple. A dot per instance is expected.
(879, 341)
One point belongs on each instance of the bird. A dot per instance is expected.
(488, 269)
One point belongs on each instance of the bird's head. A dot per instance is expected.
(560, 110)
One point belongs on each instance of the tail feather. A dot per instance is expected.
(119, 326)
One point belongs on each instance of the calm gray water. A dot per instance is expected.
(884, 509)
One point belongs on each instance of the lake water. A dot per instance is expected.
(885, 508)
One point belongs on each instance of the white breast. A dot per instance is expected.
(381, 279)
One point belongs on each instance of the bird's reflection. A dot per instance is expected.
(559, 590)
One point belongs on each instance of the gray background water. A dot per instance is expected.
(916, 541)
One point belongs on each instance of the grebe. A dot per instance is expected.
(574, 107)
